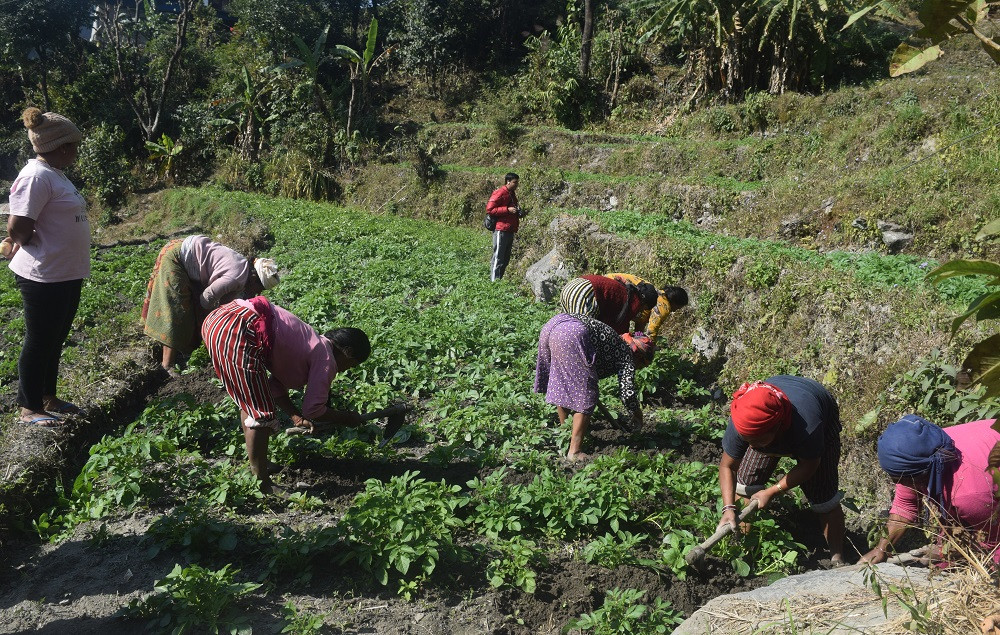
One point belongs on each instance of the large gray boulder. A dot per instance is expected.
(548, 275)
(835, 601)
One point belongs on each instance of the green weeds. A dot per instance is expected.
(298, 622)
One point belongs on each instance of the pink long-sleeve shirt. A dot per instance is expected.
(968, 488)
(221, 272)
(300, 357)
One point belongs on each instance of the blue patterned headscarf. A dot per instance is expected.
(914, 446)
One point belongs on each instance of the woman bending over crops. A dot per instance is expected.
(951, 467)
(246, 339)
(613, 302)
(784, 416)
(669, 299)
(574, 352)
(191, 277)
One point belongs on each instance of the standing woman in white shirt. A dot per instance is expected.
(49, 248)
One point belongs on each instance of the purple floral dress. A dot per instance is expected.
(574, 352)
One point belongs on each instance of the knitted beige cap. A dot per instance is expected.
(47, 131)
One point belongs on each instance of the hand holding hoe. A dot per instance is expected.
(698, 552)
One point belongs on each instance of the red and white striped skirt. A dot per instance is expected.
(238, 360)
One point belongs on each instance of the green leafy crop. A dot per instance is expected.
(404, 526)
(193, 598)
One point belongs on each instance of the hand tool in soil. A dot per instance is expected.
(618, 422)
(395, 416)
(699, 552)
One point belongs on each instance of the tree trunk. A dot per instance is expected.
(350, 105)
(587, 42)
(45, 79)
(131, 74)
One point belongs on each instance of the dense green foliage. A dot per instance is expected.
(464, 349)
(255, 94)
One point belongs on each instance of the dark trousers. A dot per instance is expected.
(502, 244)
(49, 309)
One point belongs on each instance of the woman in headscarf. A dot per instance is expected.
(669, 299)
(613, 302)
(574, 352)
(190, 278)
(49, 248)
(951, 468)
(784, 416)
(248, 340)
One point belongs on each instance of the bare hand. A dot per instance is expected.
(990, 624)
(763, 498)
(874, 556)
(302, 422)
(8, 248)
(730, 518)
(928, 554)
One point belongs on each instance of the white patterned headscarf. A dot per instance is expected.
(267, 271)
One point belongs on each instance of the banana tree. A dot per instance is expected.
(361, 66)
(165, 152)
(310, 60)
(982, 366)
(941, 20)
(246, 113)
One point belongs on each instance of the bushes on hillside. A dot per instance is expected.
(104, 164)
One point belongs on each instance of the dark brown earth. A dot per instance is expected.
(78, 585)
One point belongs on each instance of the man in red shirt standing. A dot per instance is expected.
(507, 214)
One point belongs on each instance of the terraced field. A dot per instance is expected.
(468, 520)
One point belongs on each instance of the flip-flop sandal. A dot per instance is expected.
(65, 409)
(42, 421)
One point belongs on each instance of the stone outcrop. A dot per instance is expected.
(835, 601)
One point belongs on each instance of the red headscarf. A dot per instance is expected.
(759, 407)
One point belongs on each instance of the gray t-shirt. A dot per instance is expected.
(814, 413)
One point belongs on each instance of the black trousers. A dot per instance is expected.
(49, 309)
(502, 244)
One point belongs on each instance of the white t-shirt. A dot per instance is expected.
(60, 249)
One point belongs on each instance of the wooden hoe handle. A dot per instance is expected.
(699, 552)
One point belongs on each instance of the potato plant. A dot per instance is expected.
(462, 350)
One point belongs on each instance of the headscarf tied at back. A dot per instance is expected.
(913, 446)
(267, 271)
(760, 407)
(642, 348)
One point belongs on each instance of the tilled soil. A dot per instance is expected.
(80, 584)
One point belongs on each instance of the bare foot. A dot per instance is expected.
(990, 624)
(578, 457)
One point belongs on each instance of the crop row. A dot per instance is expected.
(462, 350)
